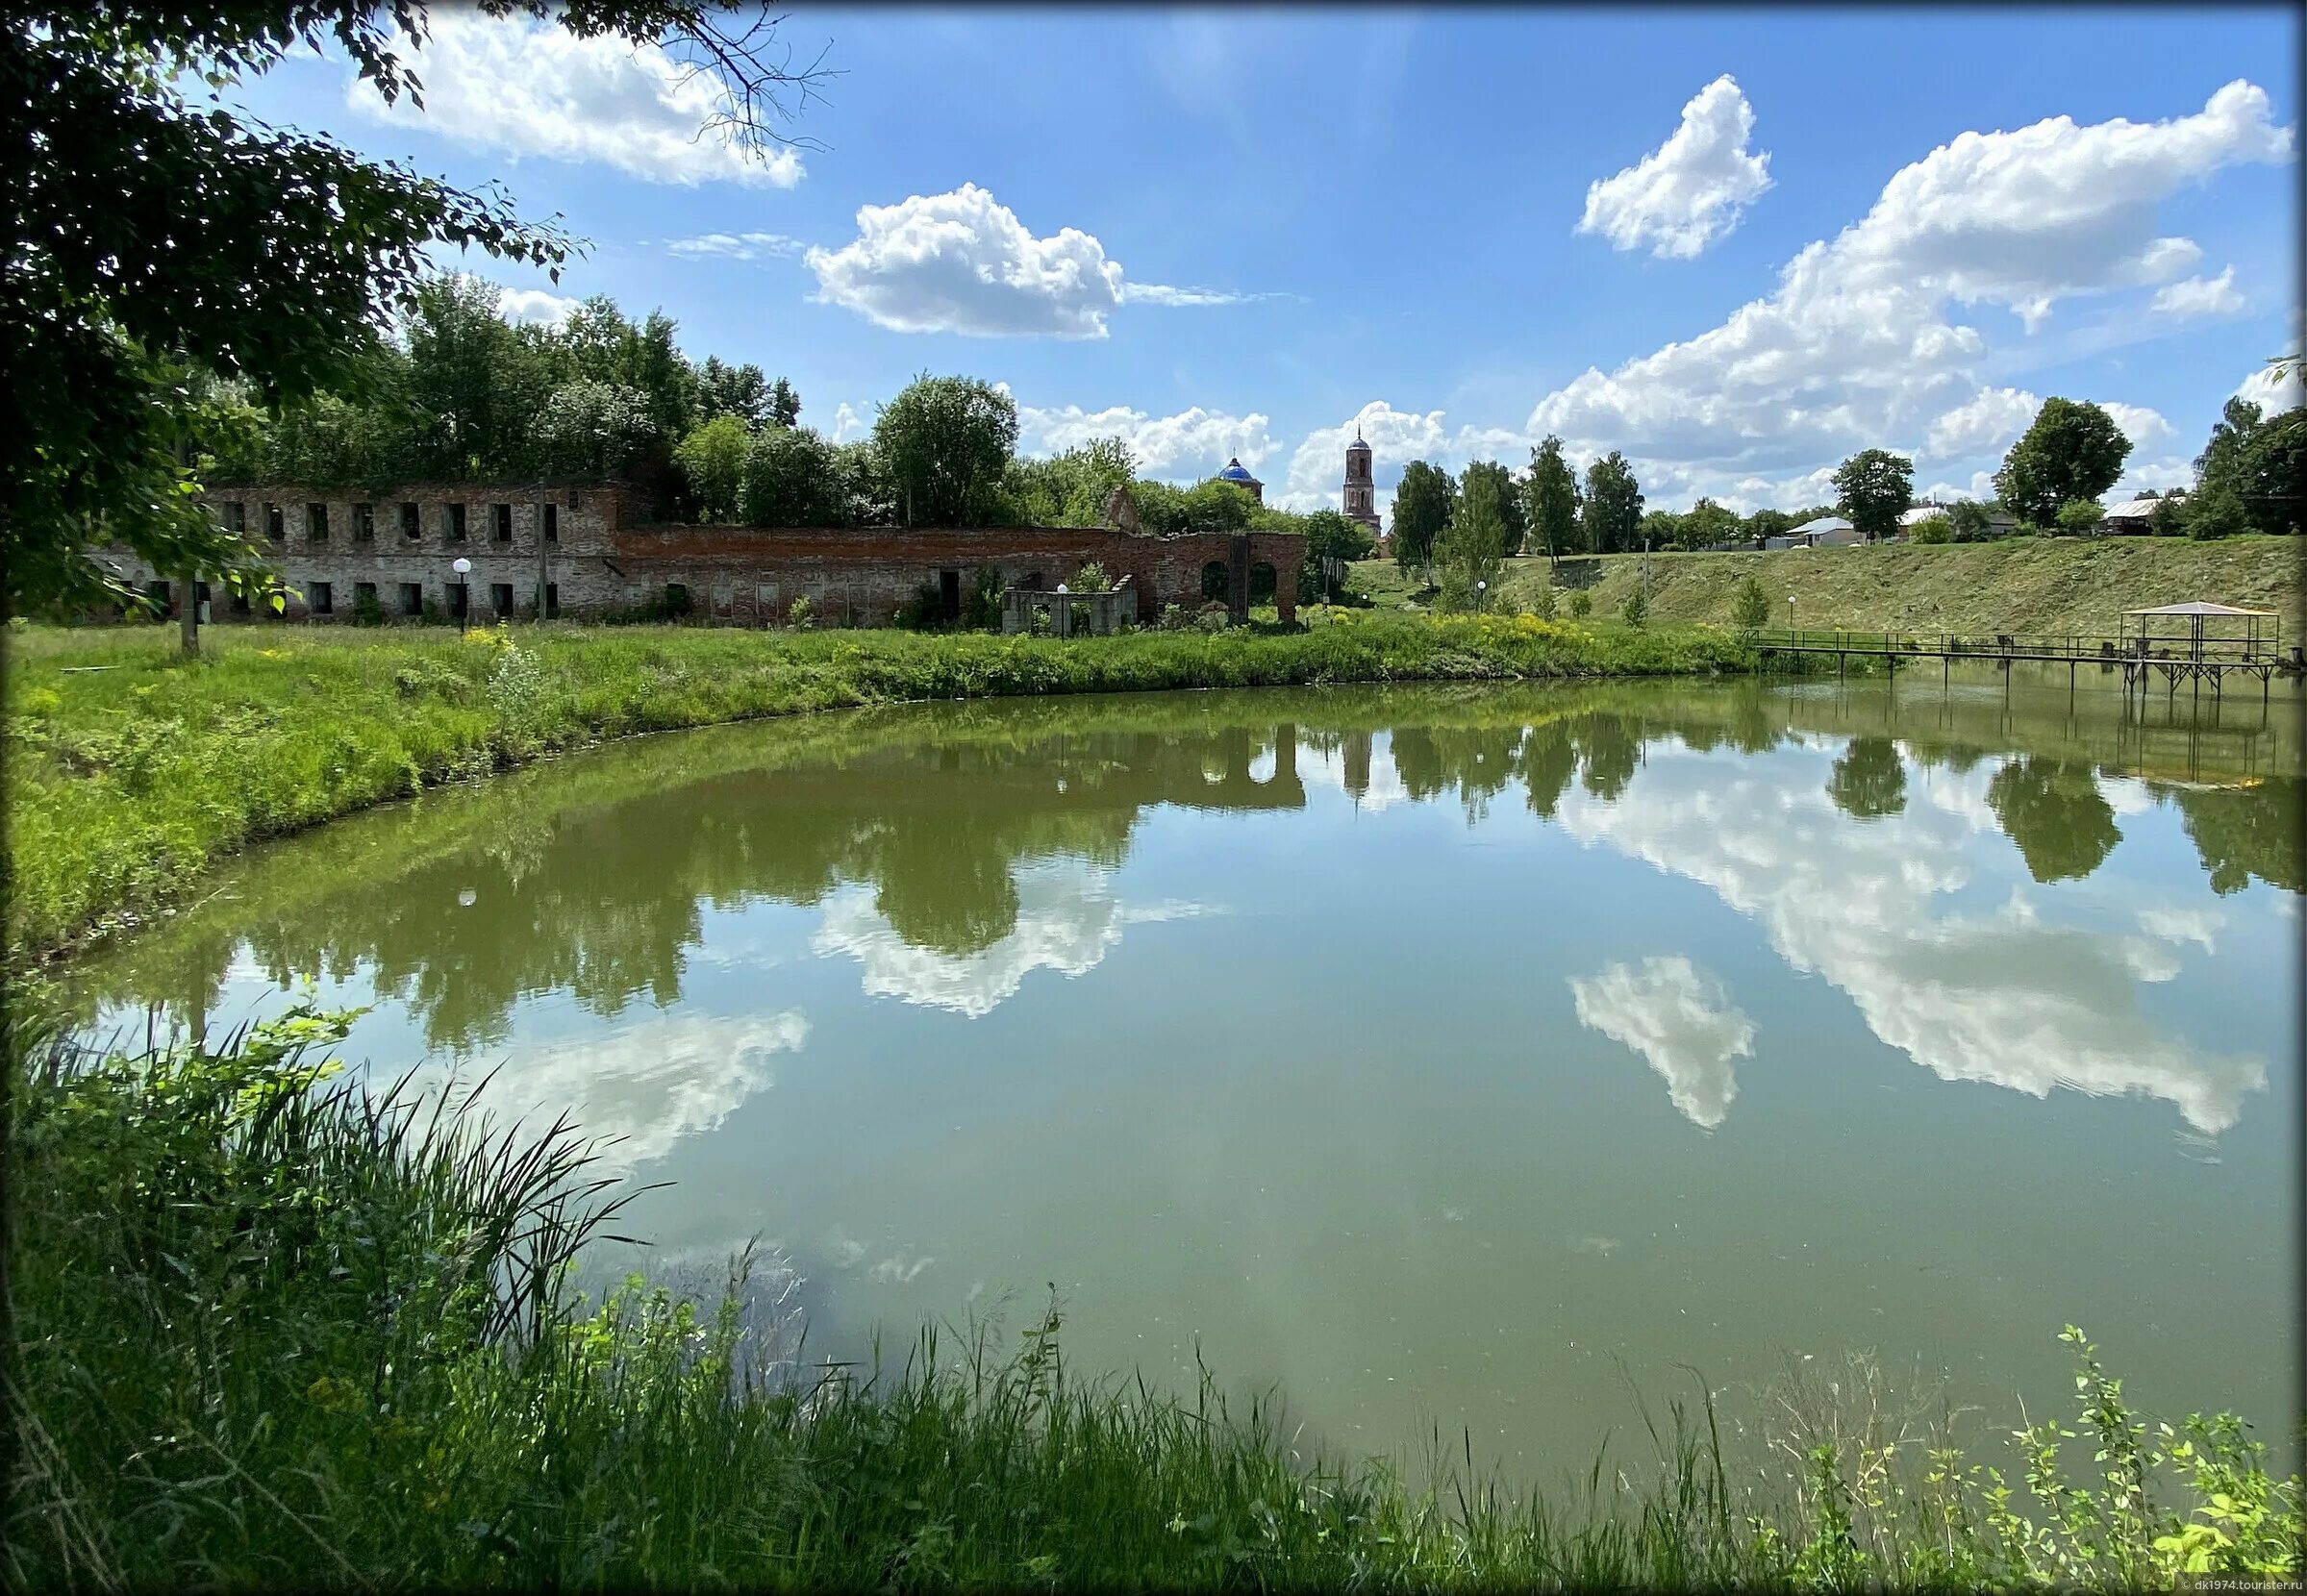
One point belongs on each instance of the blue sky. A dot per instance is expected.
(1736, 245)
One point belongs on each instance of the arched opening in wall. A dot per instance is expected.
(1260, 582)
(1215, 579)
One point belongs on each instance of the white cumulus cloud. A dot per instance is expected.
(1191, 445)
(1858, 343)
(733, 246)
(524, 87)
(962, 263)
(2273, 393)
(535, 304)
(2200, 296)
(1691, 190)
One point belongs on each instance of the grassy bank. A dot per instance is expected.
(271, 1332)
(131, 769)
(2020, 584)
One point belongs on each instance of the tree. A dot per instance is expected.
(1613, 506)
(1511, 518)
(588, 429)
(1969, 520)
(738, 390)
(2080, 517)
(785, 404)
(1070, 489)
(1551, 492)
(1708, 524)
(2257, 462)
(1422, 508)
(1933, 529)
(1658, 529)
(153, 242)
(946, 443)
(1333, 541)
(1636, 607)
(2073, 450)
(1470, 547)
(2216, 511)
(1769, 523)
(713, 457)
(1750, 605)
(791, 479)
(1872, 490)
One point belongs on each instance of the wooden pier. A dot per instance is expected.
(2192, 653)
(2140, 668)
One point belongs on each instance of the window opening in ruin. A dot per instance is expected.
(724, 597)
(364, 523)
(364, 598)
(236, 518)
(316, 523)
(410, 527)
(949, 595)
(551, 516)
(455, 515)
(676, 598)
(239, 605)
(157, 592)
(276, 523)
(500, 597)
(321, 598)
(501, 519)
(552, 600)
(411, 598)
(1216, 581)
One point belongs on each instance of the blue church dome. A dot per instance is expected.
(1236, 471)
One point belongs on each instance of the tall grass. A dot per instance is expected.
(129, 769)
(270, 1329)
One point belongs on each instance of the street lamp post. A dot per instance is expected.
(1790, 612)
(463, 568)
(1482, 595)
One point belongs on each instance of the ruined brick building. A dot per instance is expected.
(590, 550)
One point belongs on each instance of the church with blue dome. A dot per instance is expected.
(1239, 475)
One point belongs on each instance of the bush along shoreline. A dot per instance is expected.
(276, 1330)
(131, 769)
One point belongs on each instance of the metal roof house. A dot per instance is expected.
(2133, 515)
(1826, 531)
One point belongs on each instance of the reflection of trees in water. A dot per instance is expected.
(598, 888)
(2052, 809)
(2253, 832)
(1868, 782)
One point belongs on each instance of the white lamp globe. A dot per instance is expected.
(461, 565)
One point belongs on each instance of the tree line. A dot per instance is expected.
(1458, 530)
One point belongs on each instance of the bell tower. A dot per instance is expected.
(1361, 501)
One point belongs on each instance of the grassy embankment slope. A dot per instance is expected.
(2020, 584)
(130, 768)
(271, 1334)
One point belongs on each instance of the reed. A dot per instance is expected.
(271, 1328)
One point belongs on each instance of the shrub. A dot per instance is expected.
(367, 610)
(1091, 579)
(921, 612)
(803, 614)
(1636, 607)
(1582, 604)
(1547, 603)
(1750, 605)
(1933, 529)
(2079, 517)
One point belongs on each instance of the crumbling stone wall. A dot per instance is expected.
(587, 548)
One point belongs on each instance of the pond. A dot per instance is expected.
(1456, 1057)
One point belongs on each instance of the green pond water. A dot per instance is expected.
(1459, 1058)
